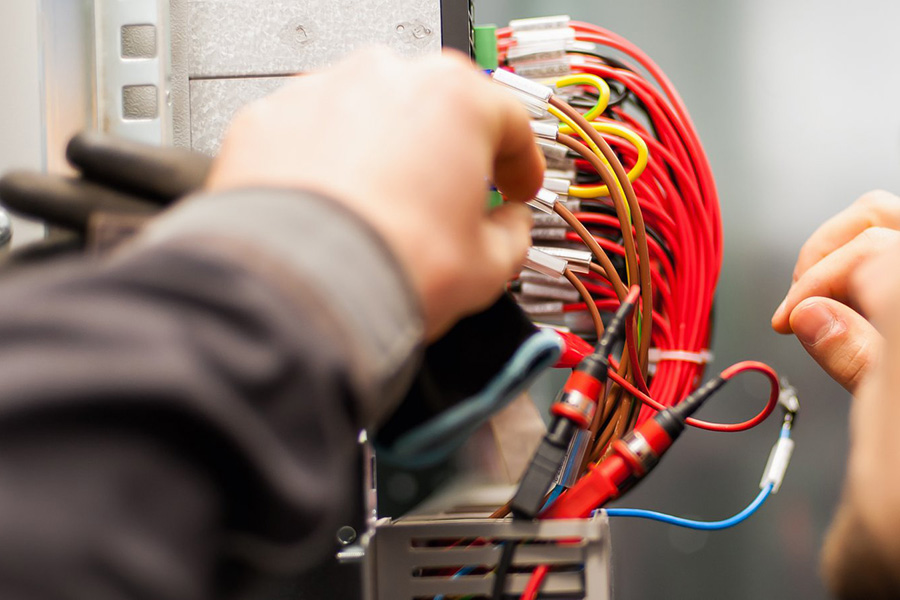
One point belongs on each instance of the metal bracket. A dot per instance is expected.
(133, 69)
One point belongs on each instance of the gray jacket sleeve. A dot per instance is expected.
(195, 399)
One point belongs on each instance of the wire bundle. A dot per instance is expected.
(642, 199)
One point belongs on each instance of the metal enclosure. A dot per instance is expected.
(176, 71)
(421, 558)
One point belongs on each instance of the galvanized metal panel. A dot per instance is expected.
(215, 101)
(233, 38)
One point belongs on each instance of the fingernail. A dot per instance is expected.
(813, 323)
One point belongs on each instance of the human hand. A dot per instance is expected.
(825, 307)
(409, 147)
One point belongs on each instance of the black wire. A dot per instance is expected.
(506, 558)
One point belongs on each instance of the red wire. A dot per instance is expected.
(535, 582)
(727, 374)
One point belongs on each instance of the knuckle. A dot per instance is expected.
(879, 199)
(878, 236)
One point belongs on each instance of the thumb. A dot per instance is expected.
(508, 237)
(838, 338)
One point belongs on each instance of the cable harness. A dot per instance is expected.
(626, 258)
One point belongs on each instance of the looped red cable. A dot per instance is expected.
(727, 374)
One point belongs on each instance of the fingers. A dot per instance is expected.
(830, 276)
(518, 164)
(874, 209)
(506, 241)
(844, 344)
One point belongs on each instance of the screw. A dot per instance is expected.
(346, 535)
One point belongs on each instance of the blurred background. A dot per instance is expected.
(796, 102)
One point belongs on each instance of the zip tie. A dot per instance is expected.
(701, 358)
(547, 264)
(655, 356)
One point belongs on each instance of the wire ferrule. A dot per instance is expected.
(545, 200)
(549, 265)
(579, 260)
(539, 23)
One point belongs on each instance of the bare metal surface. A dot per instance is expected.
(399, 550)
(215, 101)
(277, 37)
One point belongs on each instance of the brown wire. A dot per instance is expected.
(588, 299)
(636, 216)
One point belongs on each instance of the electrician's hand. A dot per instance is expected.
(410, 147)
(834, 289)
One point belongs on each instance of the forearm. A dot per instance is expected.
(222, 365)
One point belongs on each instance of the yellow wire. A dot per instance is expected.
(592, 80)
(582, 191)
(621, 131)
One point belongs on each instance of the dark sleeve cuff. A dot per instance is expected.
(324, 250)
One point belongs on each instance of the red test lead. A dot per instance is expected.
(631, 459)
(573, 411)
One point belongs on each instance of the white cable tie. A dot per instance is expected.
(521, 84)
(549, 265)
(538, 23)
(579, 260)
(545, 200)
(700, 358)
(546, 130)
(779, 459)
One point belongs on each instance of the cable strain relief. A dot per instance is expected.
(697, 398)
(671, 422)
(596, 365)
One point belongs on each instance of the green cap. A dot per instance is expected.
(486, 46)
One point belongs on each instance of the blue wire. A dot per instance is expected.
(703, 525)
(690, 523)
(460, 573)
(557, 491)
